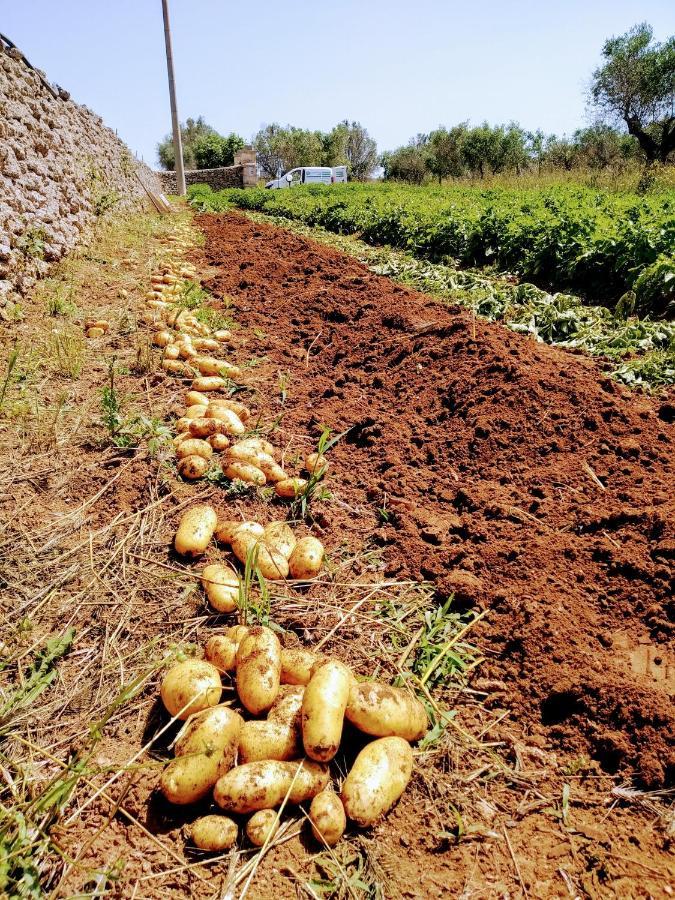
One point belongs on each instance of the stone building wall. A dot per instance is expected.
(244, 173)
(60, 169)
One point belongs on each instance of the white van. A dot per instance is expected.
(310, 175)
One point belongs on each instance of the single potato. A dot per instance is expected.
(221, 585)
(228, 528)
(244, 472)
(383, 711)
(279, 535)
(233, 424)
(323, 709)
(296, 665)
(193, 467)
(306, 559)
(379, 776)
(196, 398)
(290, 488)
(258, 669)
(269, 740)
(266, 783)
(214, 833)
(262, 827)
(240, 410)
(315, 464)
(195, 529)
(287, 708)
(270, 563)
(219, 442)
(189, 687)
(162, 338)
(327, 818)
(205, 428)
(221, 651)
(194, 447)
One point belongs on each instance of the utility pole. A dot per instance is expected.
(177, 143)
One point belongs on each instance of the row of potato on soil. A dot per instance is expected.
(300, 699)
(299, 702)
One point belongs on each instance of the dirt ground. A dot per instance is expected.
(476, 463)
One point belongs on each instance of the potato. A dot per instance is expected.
(269, 562)
(207, 344)
(189, 687)
(209, 383)
(221, 651)
(182, 425)
(186, 351)
(205, 750)
(316, 464)
(204, 428)
(196, 411)
(327, 818)
(227, 529)
(195, 530)
(266, 783)
(180, 437)
(259, 444)
(253, 457)
(382, 711)
(379, 776)
(280, 536)
(235, 406)
(306, 559)
(237, 633)
(287, 708)
(95, 332)
(323, 709)
(194, 447)
(209, 366)
(157, 304)
(296, 665)
(214, 833)
(228, 417)
(196, 398)
(176, 367)
(243, 472)
(221, 585)
(262, 827)
(162, 338)
(258, 669)
(290, 488)
(222, 334)
(171, 352)
(269, 740)
(193, 467)
(219, 442)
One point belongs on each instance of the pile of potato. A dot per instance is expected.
(278, 748)
(274, 548)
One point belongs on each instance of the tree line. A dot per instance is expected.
(632, 93)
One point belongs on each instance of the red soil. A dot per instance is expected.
(516, 476)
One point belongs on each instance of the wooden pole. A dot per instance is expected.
(177, 143)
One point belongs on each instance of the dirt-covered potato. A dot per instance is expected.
(287, 708)
(193, 467)
(327, 818)
(296, 665)
(306, 559)
(221, 651)
(258, 669)
(190, 686)
(219, 442)
(214, 833)
(382, 711)
(207, 344)
(196, 411)
(205, 750)
(377, 779)
(262, 827)
(258, 444)
(237, 633)
(208, 383)
(233, 424)
(290, 488)
(183, 424)
(265, 784)
(205, 428)
(323, 709)
(280, 536)
(209, 366)
(171, 352)
(269, 740)
(253, 456)
(195, 530)
(270, 563)
(95, 332)
(196, 398)
(227, 529)
(185, 349)
(177, 367)
(315, 464)
(162, 338)
(194, 447)
(222, 335)
(221, 586)
(240, 410)
(244, 472)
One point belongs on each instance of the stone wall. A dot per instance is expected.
(244, 173)
(60, 169)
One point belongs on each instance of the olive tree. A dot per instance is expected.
(636, 84)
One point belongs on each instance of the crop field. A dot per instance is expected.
(331, 570)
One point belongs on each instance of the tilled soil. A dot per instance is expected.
(515, 476)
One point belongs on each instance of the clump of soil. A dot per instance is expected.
(513, 475)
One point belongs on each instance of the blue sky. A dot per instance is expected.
(399, 67)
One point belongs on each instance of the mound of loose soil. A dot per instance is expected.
(514, 475)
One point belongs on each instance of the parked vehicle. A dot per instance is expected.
(310, 175)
